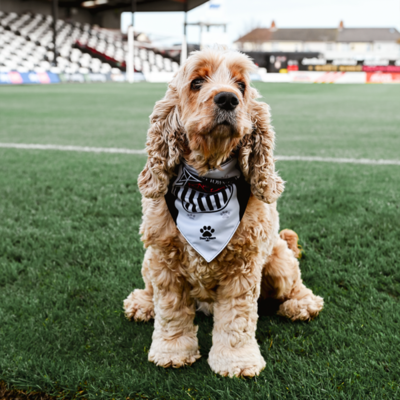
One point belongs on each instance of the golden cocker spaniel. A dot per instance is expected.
(210, 224)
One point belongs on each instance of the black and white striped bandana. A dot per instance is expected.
(208, 209)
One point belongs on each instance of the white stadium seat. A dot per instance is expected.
(175, 66)
(26, 42)
(145, 67)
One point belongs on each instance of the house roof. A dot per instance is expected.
(368, 35)
(260, 35)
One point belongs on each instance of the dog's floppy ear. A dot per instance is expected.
(164, 146)
(256, 156)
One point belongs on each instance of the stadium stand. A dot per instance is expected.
(111, 48)
(26, 45)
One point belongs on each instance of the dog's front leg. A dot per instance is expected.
(235, 351)
(174, 337)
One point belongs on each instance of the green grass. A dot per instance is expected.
(70, 250)
(315, 120)
(109, 115)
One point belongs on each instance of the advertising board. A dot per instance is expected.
(19, 78)
(382, 77)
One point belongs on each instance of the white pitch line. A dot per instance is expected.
(116, 150)
(70, 148)
(339, 160)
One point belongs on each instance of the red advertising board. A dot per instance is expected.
(383, 77)
(387, 68)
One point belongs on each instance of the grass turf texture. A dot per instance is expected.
(314, 120)
(70, 253)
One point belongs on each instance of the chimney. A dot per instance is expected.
(341, 26)
(273, 27)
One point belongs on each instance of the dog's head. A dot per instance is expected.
(214, 102)
(208, 113)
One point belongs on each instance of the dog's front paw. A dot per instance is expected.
(304, 309)
(139, 305)
(176, 353)
(246, 361)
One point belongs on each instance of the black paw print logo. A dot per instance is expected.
(207, 232)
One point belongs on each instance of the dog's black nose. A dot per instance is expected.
(226, 101)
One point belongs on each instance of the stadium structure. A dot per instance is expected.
(329, 49)
(52, 41)
(89, 44)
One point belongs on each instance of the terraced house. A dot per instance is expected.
(374, 44)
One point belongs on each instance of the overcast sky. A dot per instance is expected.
(243, 15)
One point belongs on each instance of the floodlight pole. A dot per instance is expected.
(130, 74)
(130, 59)
(133, 10)
(184, 42)
(55, 17)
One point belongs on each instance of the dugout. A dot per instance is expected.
(274, 61)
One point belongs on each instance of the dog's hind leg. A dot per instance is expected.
(139, 304)
(282, 280)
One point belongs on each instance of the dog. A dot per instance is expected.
(210, 223)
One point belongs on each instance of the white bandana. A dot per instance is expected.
(207, 209)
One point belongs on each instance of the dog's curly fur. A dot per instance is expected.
(188, 125)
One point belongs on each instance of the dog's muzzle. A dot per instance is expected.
(227, 101)
(225, 113)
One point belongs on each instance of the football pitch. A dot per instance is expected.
(70, 251)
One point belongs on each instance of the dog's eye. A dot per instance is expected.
(196, 84)
(242, 86)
